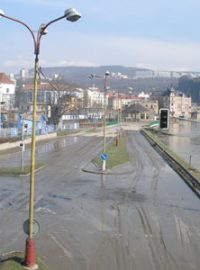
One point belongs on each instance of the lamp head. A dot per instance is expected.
(107, 73)
(72, 15)
(42, 30)
(1, 13)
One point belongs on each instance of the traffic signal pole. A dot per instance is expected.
(22, 147)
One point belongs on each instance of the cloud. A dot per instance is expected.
(134, 51)
(71, 63)
(19, 61)
(93, 50)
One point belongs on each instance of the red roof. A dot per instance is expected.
(124, 96)
(44, 87)
(30, 87)
(4, 79)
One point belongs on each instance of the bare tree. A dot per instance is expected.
(61, 100)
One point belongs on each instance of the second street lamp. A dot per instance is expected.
(71, 15)
(104, 121)
(103, 154)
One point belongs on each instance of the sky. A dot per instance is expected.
(156, 34)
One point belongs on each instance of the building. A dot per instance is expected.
(47, 95)
(179, 104)
(136, 112)
(151, 105)
(23, 73)
(93, 98)
(144, 95)
(7, 92)
(53, 100)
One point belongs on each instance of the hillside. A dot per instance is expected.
(80, 76)
(191, 87)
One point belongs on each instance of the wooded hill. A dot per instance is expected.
(191, 87)
(81, 76)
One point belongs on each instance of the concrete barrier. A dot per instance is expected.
(185, 174)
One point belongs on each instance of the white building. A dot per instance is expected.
(94, 98)
(143, 95)
(7, 91)
(179, 104)
(23, 73)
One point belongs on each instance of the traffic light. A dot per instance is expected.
(164, 118)
(25, 127)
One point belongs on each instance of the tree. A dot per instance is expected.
(191, 87)
(63, 105)
(62, 98)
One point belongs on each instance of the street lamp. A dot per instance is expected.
(103, 155)
(71, 15)
(104, 121)
(118, 120)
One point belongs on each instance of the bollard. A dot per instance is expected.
(116, 141)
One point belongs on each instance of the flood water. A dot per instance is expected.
(185, 140)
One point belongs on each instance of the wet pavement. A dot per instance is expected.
(146, 218)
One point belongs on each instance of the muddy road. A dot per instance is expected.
(145, 219)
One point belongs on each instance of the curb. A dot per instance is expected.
(106, 172)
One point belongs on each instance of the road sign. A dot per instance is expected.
(36, 227)
(104, 156)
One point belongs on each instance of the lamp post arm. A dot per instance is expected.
(41, 32)
(24, 24)
(53, 21)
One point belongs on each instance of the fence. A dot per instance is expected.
(16, 132)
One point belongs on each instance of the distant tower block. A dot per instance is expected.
(23, 73)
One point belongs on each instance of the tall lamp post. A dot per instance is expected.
(103, 156)
(104, 120)
(118, 120)
(71, 15)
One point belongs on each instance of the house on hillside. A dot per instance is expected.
(7, 92)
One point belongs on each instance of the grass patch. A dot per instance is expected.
(117, 155)
(93, 129)
(67, 132)
(16, 171)
(184, 163)
(8, 139)
(14, 261)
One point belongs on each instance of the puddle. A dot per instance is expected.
(59, 197)
(121, 195)
(5, 193)
(46, 204)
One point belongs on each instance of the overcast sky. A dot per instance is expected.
(158, 34)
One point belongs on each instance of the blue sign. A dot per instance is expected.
(19, 121)
(104, 156)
